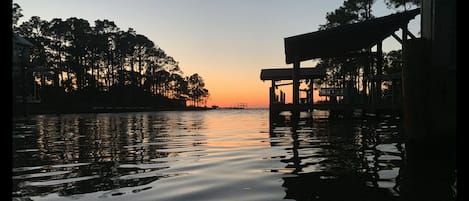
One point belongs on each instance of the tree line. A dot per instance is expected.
(73, 56)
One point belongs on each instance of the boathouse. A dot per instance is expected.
(345, 41)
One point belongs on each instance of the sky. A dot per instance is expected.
(227, 42)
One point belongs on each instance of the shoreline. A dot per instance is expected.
(38, 109)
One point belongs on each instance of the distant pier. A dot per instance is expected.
(238, 106)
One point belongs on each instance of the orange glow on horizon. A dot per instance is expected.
(238, 80)
(254, 98)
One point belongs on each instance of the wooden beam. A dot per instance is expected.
(404, 33)
(278, 85)
(279, 74)
(397, 38)
(410, 34)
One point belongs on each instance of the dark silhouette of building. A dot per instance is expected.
(345, 41)
(23, 86)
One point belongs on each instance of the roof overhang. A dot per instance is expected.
(286, 73)
(18, 40)
(342, 40)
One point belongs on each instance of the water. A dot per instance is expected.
(204, 155)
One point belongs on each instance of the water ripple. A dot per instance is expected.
(203, 155)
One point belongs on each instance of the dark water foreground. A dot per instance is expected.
(204, 155)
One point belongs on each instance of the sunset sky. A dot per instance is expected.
(227, 42)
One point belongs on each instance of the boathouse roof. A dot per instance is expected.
(286, 73)
(18, 40)
(341, 40)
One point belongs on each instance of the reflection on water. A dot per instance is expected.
(340, 159)
(204, 155)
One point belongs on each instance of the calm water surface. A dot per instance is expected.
(204, 155)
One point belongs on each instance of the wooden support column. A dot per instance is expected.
(296, 84)
(282, 97)
(379, 70)
(366, 72)
(272, 93)
(429, 106)
(393, 92)
(296, 91)
(404, 34)
(311, 87)
(429, 122)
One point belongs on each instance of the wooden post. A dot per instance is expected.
(428, 125)
(296, 90)
(429, 100)
(366, 72)
(404, 34)
(272, 93)
(296, 84)
(379, 70)
(282, 97)
(393, 92)
(311, 87)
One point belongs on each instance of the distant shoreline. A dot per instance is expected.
(37, 109)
